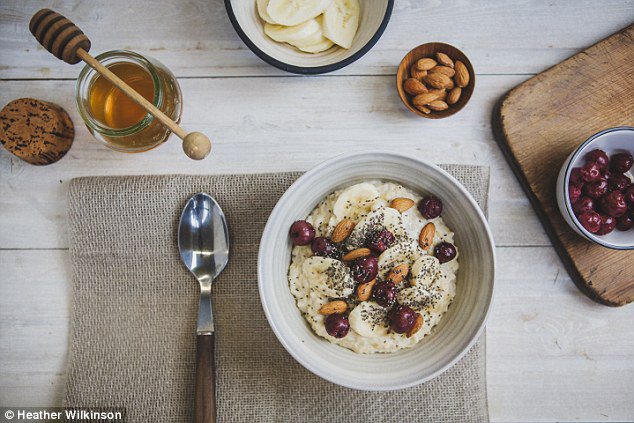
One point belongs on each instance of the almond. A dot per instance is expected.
(454, 95)
(342, 230)
(417, 74)
(451, 85)
(413, 86)
(445, 70)
(424, 109)
(398, 273)
(426, 236)
(402, 204)
(418, 324)
(355, 254)
(444, 60)
(442, 94)
(438, 105)
(462, 74)
(364, 290)
(424, 99)
(425, 64)
(337, 306)
(437, 80)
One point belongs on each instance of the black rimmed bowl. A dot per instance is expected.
(244, 17)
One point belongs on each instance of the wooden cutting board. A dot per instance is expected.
(540, 122)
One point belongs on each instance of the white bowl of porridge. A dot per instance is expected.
(376, 271)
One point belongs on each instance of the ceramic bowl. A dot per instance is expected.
(430, 50)
(244, 17)
(459, 328)
(612, 141)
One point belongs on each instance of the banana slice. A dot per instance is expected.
(323, 45)
(355, 201)
(425, 270)
(262, 5)
(406, 251)
(328, 276)
(415, 297)
(341, 20)
(295, 12)
(445, 282)
(369, 319)
(376, 220)
(304, 34)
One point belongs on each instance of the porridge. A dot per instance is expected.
(373, 267)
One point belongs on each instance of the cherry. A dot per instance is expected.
(323, 247)
(613, 204)
(574, 192)
(590, 220)
(596, 189)
(624, 223)
(380, 241)
(401, 318)
(585, 203)
(365, 269)
(445, 252)
(576, 176)
(621, 162)
(607, 225)
(591, 172)
(618, 181)
(337, 325)
(384, 294)
(628, 194)
(599, 157)
(430, 207)
(302, 233)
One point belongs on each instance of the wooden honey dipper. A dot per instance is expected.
(68, 43)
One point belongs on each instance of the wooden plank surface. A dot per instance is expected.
(552, 355)
(292, 135)
(194, 37)
(539, 130)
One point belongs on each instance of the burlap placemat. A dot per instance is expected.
(134, 314)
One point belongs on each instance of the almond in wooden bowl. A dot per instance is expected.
(447, 72)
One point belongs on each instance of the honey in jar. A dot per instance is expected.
(112, 117)
(111, 106)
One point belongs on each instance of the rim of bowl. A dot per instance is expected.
(589, 235)
(489, 239)
(309, 70)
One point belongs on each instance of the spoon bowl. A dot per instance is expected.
(203, 237)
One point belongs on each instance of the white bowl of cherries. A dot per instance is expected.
(595, 192)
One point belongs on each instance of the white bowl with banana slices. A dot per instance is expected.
(296, 278)
(309, 36)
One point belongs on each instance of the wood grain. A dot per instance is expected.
(293, 135)
(205, 393)
(539, 123)
(194, 38)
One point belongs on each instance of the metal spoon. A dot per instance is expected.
(203, 242)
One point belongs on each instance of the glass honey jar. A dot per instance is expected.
(116, 120)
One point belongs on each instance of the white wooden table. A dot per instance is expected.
(553, 355)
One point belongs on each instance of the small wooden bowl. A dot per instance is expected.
(430, 50)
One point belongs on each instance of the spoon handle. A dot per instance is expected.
(205, 394)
